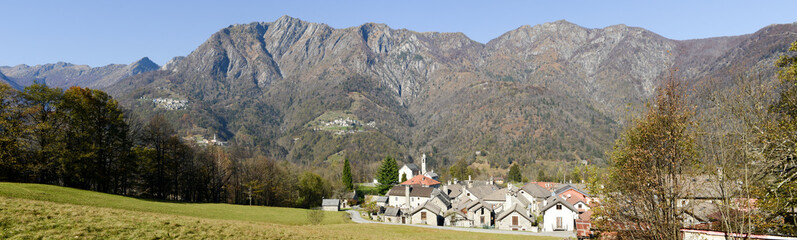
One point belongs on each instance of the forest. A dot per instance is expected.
(83, 138)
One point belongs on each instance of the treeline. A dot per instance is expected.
(83, 138)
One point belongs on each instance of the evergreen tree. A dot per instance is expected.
(514, 174)
(387, 176)
(347, 179)
(403, 177)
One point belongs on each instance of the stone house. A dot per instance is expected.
(428, 214)
(514, 218)
(330, 204)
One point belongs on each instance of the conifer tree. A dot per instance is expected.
(347, 178)
(387, 176)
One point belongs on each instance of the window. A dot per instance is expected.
(514, 220)
(558, 206)
(423, 216)
(468, 194)
(482, 211)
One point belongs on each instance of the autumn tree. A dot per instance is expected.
(43, 131)
(648, 165)
(12, 161)
(779, 195)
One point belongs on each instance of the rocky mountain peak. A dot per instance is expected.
(142, 65)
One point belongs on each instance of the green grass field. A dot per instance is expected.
(33, 211)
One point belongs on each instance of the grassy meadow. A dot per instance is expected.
(34, 211)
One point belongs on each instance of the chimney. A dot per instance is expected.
(508, 203)
(423, 164)
(445, 189)
(407, 195)
(491, 180)
(470, 182)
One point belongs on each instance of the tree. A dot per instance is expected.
(779, 195)
(43, 131)
(387, 176)
(312, 190)
(347, 178)
(648, 166)
(11, 130)
(403, 177)
(514, 174)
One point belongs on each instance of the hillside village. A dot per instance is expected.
(492, 204)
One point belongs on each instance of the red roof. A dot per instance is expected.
(421, 180)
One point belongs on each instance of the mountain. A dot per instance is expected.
(66, 74)
(309, 93)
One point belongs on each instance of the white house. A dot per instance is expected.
(409, 197)
(409, 170)
(558, 215)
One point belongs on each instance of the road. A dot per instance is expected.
(355, 216)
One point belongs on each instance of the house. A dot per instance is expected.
(348, 198)
(330, 204)
(536, 194)
(481, 213)
(428, 213)
(408, 197)
(422, 180)
(457, 218)
(568, 191)
(558, 215)
(381, 201)
(514, 218)
(394, 215)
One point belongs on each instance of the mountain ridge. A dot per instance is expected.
(548, 92)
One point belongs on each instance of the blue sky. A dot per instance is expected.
(98, 33)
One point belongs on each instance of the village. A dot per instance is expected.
(495, 204)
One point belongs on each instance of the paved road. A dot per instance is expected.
(356, 217)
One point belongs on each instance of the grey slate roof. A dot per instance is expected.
(454, 190)
(392, 212)
(413, 167)
(482, 191)
(515, 208)
(553, 200)
(415, 191)
(382, 199)
(536, 191)
(330, 202)
(428, 205)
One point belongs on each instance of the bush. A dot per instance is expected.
(315, 216)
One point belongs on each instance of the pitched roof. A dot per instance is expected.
(421, 180)
(536, 190)
(553, 200)
(565, 187)
(431, 174)
(382, 199)
(330, 202)
(454, 190)
(482, 191)
(392, 212)
(479, 204)
(415, 191)
(497, 195)
(515, 208)
(413, 167)
(428, 205)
